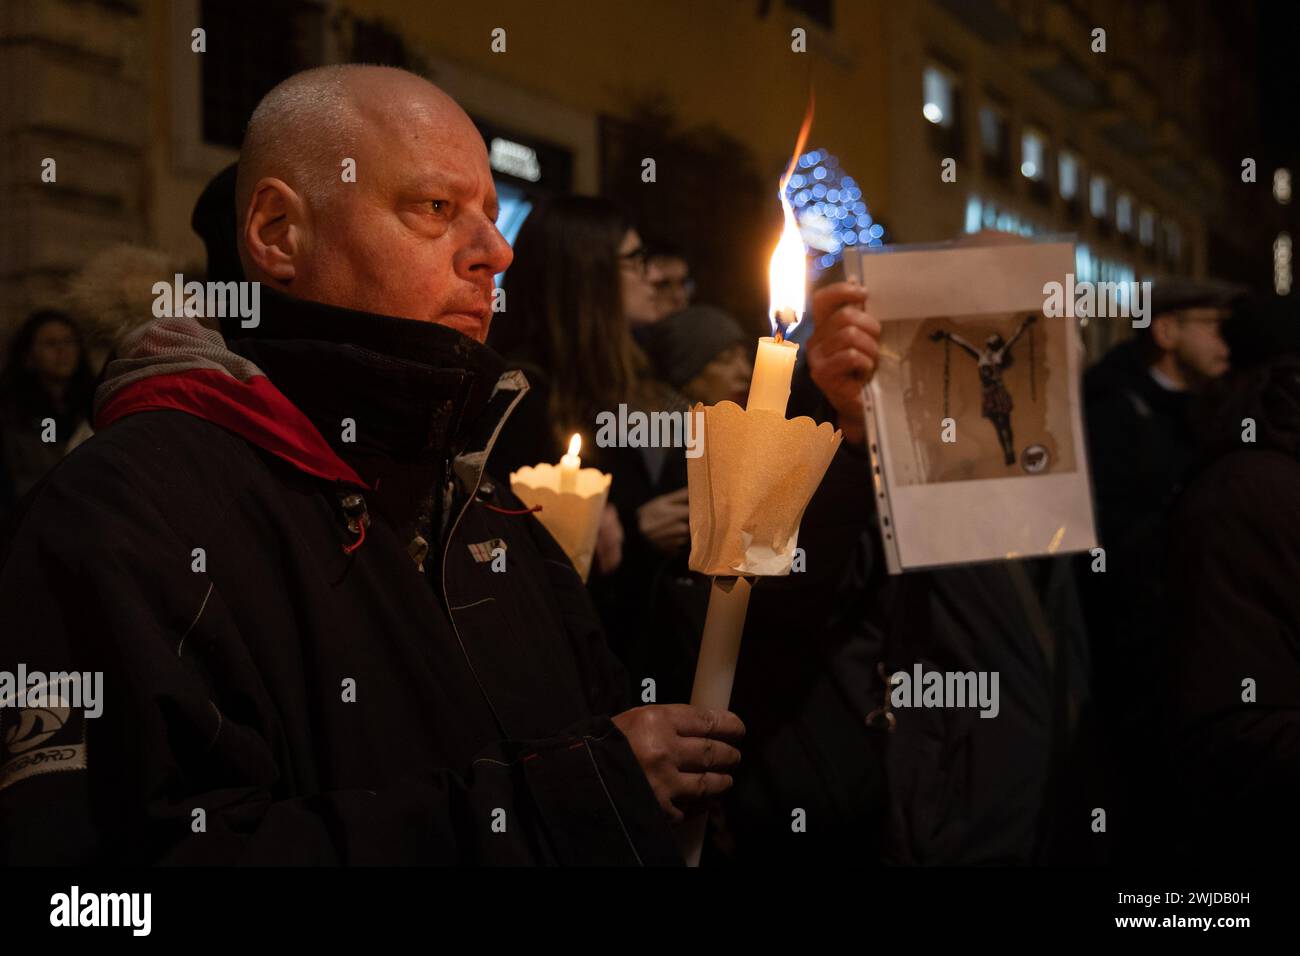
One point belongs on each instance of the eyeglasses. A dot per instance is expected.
(636, 259)
(665, 286)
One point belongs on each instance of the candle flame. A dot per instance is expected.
(575, 444)
(787, 272)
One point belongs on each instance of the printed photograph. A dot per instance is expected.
(974, 397)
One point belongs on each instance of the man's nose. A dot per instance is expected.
(489, 252)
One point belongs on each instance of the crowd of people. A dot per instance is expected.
(231, 560)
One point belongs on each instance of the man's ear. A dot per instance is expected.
(275, 226)
(1164, 331)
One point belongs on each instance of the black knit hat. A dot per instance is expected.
(681, 345)
(214, 220)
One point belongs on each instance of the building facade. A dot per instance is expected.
(1046, 133)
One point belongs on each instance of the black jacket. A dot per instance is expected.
(1230, 760)
(652, 605)
(318, 706)
(1142, 446)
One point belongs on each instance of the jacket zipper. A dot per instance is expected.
(449, 486)
(451, 615)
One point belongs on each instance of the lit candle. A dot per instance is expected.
(769, 389)
(569, 466)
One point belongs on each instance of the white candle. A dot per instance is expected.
(570, 464)
(769, 389)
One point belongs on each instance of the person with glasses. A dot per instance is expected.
(669, 275)
(576, 293)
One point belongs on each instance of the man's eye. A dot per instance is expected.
(439, 205)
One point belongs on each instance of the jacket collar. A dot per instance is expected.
(404, 403)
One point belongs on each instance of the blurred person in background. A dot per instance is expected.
(576, 288)
(45, 395)
(670, 276)
(1142, 401)
(1138, 400)
(214, 221)
(1226, 776)
(703, 353)
(707, 358)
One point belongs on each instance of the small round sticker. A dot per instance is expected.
(1034, 459)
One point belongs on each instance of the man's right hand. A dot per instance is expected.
(686, 752)
(843, 351)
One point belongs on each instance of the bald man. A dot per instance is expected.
(320, 633)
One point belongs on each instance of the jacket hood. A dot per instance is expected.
(177, 364)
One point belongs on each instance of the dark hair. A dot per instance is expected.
(564, 310)
(664, 249)
(22, 393)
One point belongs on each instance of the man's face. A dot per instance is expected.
(1198, 345)
(671, 279)
(415, 236)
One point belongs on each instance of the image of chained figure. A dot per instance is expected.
(991, 362)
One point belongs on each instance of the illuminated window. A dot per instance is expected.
(1173, 239)
(1282, 264)
(1068, 174)
(1146, 226)
(1282, 186)
(937, 88)
(1099, 197)
(1124, 213)
(993, 131)
(1033, 155)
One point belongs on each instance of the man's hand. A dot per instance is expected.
(609, 541)
(665, 521)
(843, 351)
(684, 751)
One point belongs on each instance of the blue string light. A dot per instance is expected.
(829, 209)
